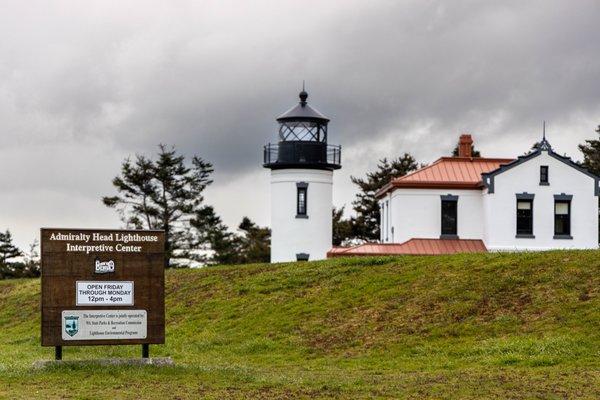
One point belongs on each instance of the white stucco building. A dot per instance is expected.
(538, 201)
(302, 165)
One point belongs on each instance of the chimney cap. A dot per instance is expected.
(466, 138)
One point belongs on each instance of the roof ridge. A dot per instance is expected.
(474, 159)
(437, 239)
(453, 159)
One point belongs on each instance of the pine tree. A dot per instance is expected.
(591, 154)
(365, 225)
(29, 267)
(137, 186)
(255, 242)
(8, 251)
(31, 262)
(213, 236)
(342, 227)
(162, 194)
(251, 244)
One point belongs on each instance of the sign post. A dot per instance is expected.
(102, 287)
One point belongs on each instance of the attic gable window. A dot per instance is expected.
(544, 175)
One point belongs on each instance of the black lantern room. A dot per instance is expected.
(302, 140)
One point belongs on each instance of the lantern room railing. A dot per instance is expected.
(290, 154)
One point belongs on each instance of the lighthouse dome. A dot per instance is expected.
(303, 112)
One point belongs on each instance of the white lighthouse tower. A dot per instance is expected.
(302, 166)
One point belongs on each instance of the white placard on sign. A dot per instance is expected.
(104, 293)
(104, 324)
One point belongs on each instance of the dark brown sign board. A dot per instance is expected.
(102, 287)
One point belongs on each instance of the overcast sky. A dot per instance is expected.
(85, 84)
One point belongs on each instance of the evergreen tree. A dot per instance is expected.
(342, 227)
(365, 225)
(31, 263)
(591, 154)
(30, 266)
(255, 242)
(162, 194)
(212, 235)
(8, 251)
(250, 245)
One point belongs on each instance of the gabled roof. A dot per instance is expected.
(412, 247)
(448, 173)
(488, 177)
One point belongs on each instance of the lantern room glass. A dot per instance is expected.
(303, 131)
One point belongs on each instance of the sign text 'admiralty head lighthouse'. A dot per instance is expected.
(102, 287)
(302, 165)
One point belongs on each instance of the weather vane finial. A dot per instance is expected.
(303, 95)
(544, 145)
(544, 130)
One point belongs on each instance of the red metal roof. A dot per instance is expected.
(448, 173)
(337, 249)
(412, 247)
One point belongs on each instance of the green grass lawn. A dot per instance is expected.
(465, 326)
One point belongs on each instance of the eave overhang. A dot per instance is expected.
(390, 187)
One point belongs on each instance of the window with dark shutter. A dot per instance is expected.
(301, 201)
(524, 217)
(449, 217)
(562, 218)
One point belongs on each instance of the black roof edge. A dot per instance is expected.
(291, 165)
(488, 177)
(569, 161)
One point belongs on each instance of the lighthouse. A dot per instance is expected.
(302, 165)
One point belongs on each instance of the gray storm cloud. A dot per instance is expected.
(85, 84)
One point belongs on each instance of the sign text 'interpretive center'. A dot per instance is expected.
(113, 242)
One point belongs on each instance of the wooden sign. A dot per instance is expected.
(102, 287)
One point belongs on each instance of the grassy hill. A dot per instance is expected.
(465, 326)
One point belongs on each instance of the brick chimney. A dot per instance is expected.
(464, 146)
